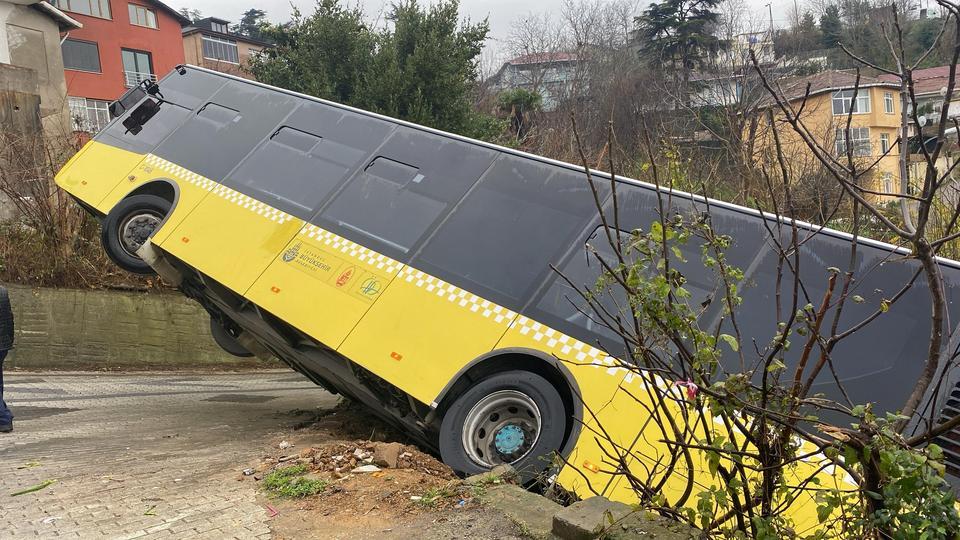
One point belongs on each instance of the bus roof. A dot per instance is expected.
(671, 191)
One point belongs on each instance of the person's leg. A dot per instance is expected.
(6, 417)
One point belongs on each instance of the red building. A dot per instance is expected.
(122, 42)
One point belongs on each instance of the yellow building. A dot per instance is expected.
(824, 111)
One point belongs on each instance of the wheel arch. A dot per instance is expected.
(160, 187)
(521, 358)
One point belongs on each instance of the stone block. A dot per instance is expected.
(598, 517)
(531, 512)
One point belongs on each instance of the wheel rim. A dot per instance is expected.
(501, 428)
(136, 229)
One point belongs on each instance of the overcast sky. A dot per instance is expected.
(499, 12)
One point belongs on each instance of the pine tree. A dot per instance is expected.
(252, 23)
(679, 34)
(831, 27)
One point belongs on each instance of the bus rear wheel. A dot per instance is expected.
(512, 417)
(227, 341)
(128, 225)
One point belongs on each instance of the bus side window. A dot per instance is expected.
(235, 119)
(564, 308)
(521, 217)
(305, 160)
(407, 188)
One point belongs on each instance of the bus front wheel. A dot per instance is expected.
(512, 417)
(128, 225)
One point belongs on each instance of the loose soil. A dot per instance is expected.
(412, 494)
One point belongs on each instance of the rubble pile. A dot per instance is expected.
(341, 459)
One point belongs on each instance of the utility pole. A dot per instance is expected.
(770, 10)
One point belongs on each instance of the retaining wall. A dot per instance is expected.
(92, 329)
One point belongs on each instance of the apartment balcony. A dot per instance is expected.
(133, 78)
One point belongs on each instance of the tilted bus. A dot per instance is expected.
(409, 269)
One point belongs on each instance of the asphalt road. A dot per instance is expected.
(143, 455)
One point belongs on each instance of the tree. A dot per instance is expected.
(252, 24)
(519, 103)
(831, 27)
(679, 33)
(421, 67)
(192, 14)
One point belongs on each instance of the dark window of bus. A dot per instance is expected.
(521, 217)
(303, 162)
(223, 131)
(565, 309)
(412, 183)
(167, 118)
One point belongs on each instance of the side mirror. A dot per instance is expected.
(134, 123)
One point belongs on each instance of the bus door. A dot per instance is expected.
(464, 286)
(561, 323)
(230, 235)
(320, 282)
(391, 208)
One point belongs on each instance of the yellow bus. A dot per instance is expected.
(410, 270)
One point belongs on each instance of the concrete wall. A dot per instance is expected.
(91, 329)
(31, 39)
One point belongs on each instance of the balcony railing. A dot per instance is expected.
(133, 78)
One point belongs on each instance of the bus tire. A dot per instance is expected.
(227, 341)
(514, 417)
(128, 225)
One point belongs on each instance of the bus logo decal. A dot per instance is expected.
(291, 254)
(344, 277)
(370, 287)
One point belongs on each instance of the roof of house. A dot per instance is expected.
(64, 21)
(927, 80)
(828, 81)
(205, 27)
(543, 58)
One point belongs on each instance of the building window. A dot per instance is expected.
(142, 16)
(219, 27)
(859, 138)
(94, 8)
(843, 101)
(884, 142)
(80, 55)
(89, 115)
(888, 102)
(888, 182)
(216, 48)
(137, 67)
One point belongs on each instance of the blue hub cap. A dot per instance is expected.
(508, 439)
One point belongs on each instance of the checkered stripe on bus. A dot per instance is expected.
(566, 346)
(178, 171)
(252, 204)
(462, 298)
(341, 244)
(220, 190)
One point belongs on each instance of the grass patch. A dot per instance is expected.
(434, 495)
(289, 482)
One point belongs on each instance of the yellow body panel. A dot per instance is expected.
(423, 331)
(95, 171)
(231, 237)
(323, 284)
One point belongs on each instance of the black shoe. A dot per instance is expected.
(6, 428)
